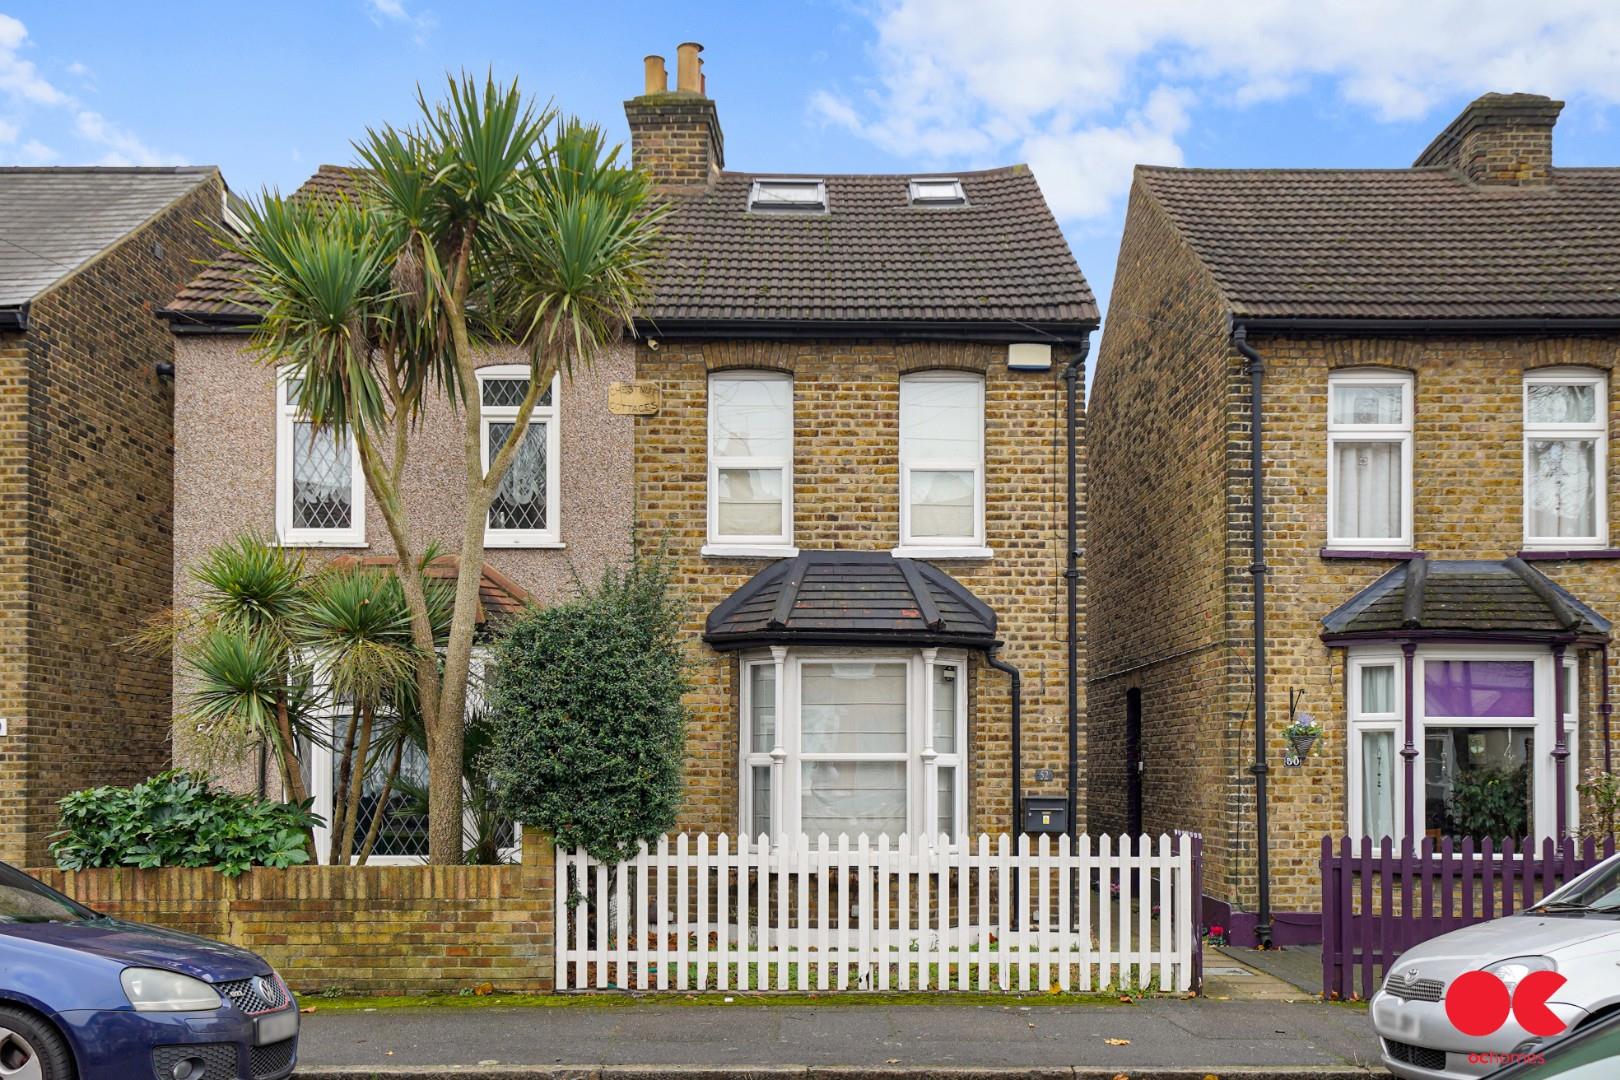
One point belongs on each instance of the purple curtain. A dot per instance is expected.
(1477, 688)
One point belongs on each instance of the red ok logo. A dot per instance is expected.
(1478, 1003)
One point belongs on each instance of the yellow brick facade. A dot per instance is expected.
(846, 483)
(1169, 548)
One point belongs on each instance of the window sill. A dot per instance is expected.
(1548, 554)
(537, 545)
(307, 542)
(749, 551)
(917, 551)
(1368, 553)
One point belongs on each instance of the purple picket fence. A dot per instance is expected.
(1376, 904)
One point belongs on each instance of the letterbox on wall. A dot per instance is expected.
(1046, 814)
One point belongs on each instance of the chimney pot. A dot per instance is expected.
(657, 79)
(688, 68)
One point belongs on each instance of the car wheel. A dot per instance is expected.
(30, 1049)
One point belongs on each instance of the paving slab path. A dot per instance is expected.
(1151, 1037)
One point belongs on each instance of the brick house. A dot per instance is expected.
(85, 445)
(854, 449)
(245, 461)
(1425, 358)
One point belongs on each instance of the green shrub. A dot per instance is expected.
(1602, 790)
(177, 819)
(1490, 803)
(589, 729)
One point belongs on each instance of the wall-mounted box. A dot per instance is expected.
(1046, 814)
(1026, 356)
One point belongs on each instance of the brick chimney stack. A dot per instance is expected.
(675, 136)
(1500, 139)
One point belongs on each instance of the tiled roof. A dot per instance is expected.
(1399, 243)
(54, 220)
(851, 597)
(872, 256)
(1000, 260)
(499, 597)
(1465, 597)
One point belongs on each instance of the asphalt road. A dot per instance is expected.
(1163, 1032)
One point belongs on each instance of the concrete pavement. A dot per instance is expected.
(1153, 1037)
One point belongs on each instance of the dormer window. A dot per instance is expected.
(788, 196)
(937, 191)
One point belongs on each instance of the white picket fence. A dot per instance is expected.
(697, 915)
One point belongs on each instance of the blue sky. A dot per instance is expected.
(1079, 90)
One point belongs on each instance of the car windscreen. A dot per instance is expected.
(24, 900)
(1596, 891)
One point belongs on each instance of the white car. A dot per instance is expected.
(1575, 931)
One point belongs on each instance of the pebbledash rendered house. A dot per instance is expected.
(845, 418)
(1410, 372)
(854, 445)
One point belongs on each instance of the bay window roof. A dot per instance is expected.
(851, 598)
(1505, 599)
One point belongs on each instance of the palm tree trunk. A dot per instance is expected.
(292, 776)
(382, 802)
(357, 780)
(336, 854)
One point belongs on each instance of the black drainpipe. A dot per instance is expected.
(1257, 570)
(1071, 573)
(999, 664)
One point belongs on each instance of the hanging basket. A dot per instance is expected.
(1302, 743)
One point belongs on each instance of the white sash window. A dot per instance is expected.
(1369, 460)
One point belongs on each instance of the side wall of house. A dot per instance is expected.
(225, 480)
(1157, 546)
(13, 590)
(98, 513)
(1468, 490)
(846, 496)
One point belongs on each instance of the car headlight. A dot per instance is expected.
(155, 990)
(1515, 968)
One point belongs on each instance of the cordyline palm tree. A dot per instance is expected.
(247, 688)
(489, 222)
(355, 630)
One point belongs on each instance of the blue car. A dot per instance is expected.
(86, 997)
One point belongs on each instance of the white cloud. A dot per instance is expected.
(1083, 90)
(421, 23)
(25, 93)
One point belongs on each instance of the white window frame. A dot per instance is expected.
(942, 547)
(550, 415)
(779, 545)
(816, 204)
(1362, 723)
(1400, 433)
(1544, 770)
(287, 415)
(1597, 430)
(916, 198)
(319, 756)
(785, 759)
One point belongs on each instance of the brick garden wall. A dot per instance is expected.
(1169, 549)
(846, 495)
(373, 929)
(85, 469)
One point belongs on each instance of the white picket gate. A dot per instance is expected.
(697, 915)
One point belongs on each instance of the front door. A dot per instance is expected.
(1133, 762)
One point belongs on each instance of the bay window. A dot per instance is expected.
(1484, 732)
(524, 511)
(1565, 450)
(857, 741)
(942, 465)
(1369, 460)
(320, 490)
(750, 463)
